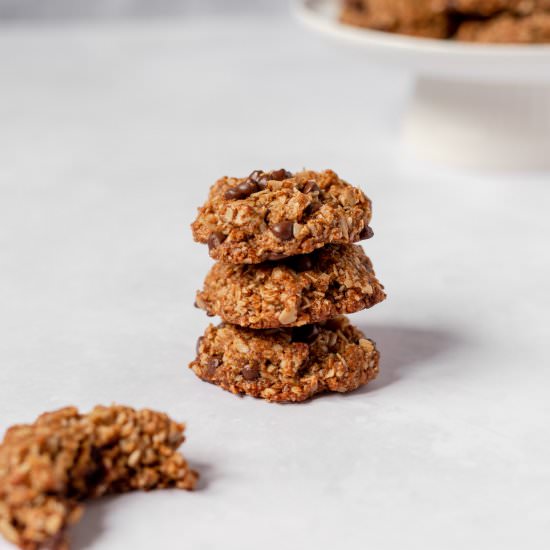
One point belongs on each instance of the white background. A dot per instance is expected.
(70, 9)
(109, 137)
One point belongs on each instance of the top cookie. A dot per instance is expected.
(273, 215)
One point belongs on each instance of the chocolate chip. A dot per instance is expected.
(259, 178)
(211, 365)
(310, 187)
(306, 333)
(199, 342)
(262, 183)
(366, 233)
(279, 175)
(250, 372)
(301, 263)
(195, 304)
(215, 240)
(210, 314)
(231, 194)
(282, 230)
(247, 187)
(213, 362)
(256, 176)
(276, 257)
(241, 191)
(312, 208)
(333, 324)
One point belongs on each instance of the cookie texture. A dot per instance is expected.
(49, 467)
(424, 18)
(300, 290)
(507, 29)
(286, 365)
(272, 215)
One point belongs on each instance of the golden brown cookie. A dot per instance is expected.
(286, 365)
(426, 18)
(300, 290)
(273, 215)
(488, 8)
(47, 468)
(507, 29)
(488, 21)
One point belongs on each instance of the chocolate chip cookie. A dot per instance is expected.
(426, 18)
(286, 365)
(300, 290)
(272, 215)
(47, 468)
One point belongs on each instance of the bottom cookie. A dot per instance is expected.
(286, 365)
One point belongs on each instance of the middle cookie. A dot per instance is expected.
(312, 288)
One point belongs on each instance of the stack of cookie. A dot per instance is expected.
(287, 271)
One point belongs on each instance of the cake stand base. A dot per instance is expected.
(479, 125)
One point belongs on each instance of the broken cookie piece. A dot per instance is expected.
(286, 365)
(49, 467)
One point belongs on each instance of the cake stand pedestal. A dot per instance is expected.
(473, 105)
(479, 124)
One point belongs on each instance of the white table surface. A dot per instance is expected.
(109, 137)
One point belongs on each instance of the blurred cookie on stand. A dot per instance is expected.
(486, 21)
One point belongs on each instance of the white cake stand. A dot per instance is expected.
(480, 106)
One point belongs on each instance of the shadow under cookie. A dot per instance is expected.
(407, 349)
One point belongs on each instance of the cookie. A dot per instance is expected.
(273, 215)
(47, 468)
(488, 8)
(424, 18)
(300, 290)
(286, 365)
(507, 29)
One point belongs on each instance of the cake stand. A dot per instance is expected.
(474, 105)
